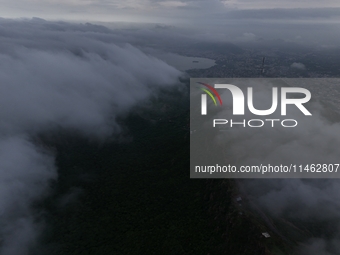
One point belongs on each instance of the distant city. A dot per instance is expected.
(268, 63)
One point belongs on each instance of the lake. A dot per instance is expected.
(184, 63)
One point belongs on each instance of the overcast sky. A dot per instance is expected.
(151, 10)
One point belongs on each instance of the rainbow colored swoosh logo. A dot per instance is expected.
(211, 92)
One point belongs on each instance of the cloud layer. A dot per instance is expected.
(307, 202)
(52, 76)
(161, 10)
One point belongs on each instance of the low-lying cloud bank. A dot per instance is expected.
(59, 75)
(311, 204)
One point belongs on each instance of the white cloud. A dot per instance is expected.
(59, 75)
(172, 4)
(315, 140)
(249, 36)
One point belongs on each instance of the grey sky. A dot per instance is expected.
(144, 10)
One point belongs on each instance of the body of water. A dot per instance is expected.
(184, 63)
